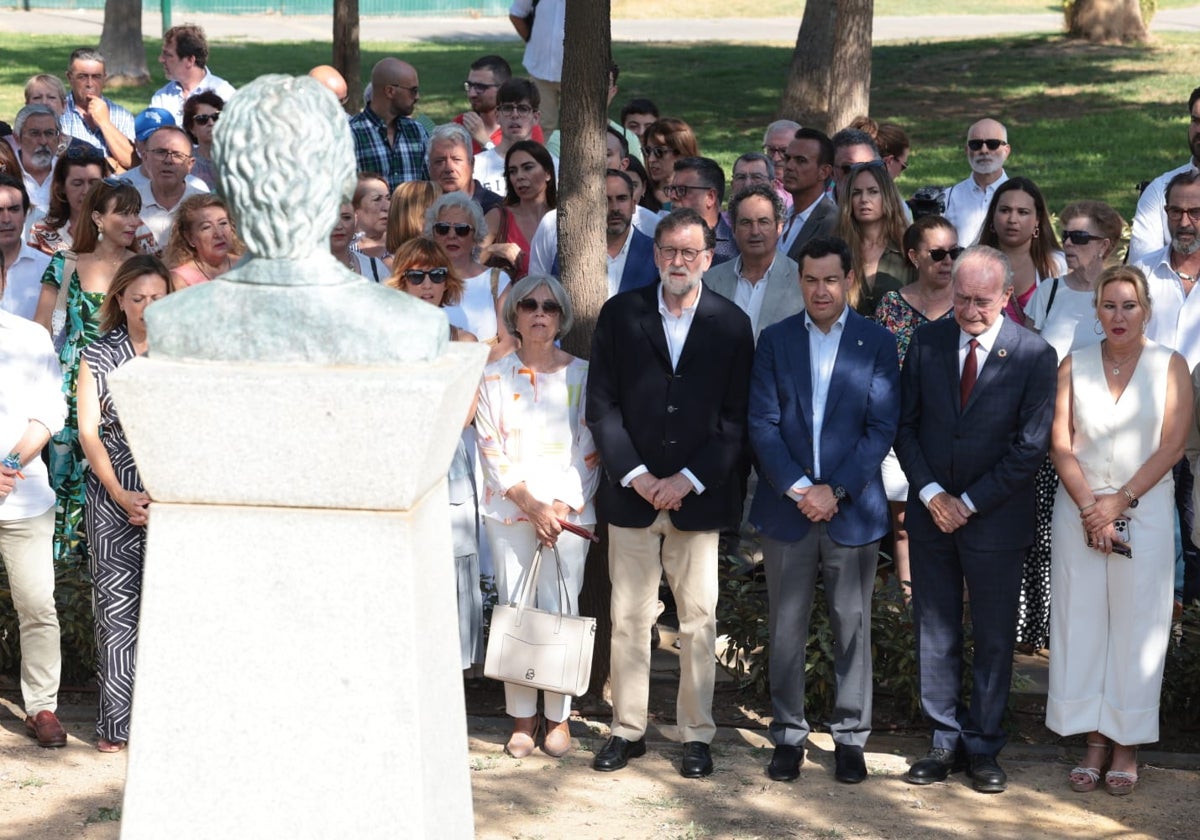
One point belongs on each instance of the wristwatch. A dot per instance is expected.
(1130, 497)
(839, 493)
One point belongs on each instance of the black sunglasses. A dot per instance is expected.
(939, 254)
(205, 119)
(993, 144)
(847, 168)
(416, 277)
(460, 228)
(550, 307)
(1080, 237)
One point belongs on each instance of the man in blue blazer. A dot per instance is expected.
(976, 411)
(824, 403)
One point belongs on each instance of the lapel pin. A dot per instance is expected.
(1002, 353)
(860, 342)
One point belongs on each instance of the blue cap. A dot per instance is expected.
(150, 121)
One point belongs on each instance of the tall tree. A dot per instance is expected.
(346, 56)
(122, 45)
(1106, 21)
(829, 81)
(581, 218)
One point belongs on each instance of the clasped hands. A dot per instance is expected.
(1098, 520)
(136, 506)
(949, 512)
(817, 502)
(663, 493)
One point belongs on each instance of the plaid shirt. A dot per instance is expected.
(405, 161)
(73, 124)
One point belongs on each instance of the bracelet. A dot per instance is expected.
(1130, 496)
(1086, 508)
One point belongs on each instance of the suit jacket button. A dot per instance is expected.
(670, 409)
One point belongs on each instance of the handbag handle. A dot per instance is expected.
(528, 591)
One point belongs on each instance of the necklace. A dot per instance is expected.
(200, 268)
(1117, 365)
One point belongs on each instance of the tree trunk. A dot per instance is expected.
(1106, 21)
(122, 45)
(581, 242)
(829, 81)
(346, 58)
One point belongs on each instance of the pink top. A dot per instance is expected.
(188, 274)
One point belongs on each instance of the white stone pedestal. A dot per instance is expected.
(298, 667)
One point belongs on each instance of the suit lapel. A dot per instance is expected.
(652, 326)
(997, 360)
(950, 360)
(800, 362)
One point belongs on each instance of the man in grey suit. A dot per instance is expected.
(977, 402)
(807, 168)
(761, 281)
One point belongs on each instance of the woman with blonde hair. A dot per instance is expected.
(203, 243)
(873, 224)
(406, 212)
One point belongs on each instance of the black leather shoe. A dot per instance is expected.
(697, 760)
(785, 763)
(986, 775)
(849, 765)
(617, 752)
(936, 766)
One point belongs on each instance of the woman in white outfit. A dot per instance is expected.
(540, 467)
(1123, 411)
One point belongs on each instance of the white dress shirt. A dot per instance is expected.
(1175, 320)
(822, 356)
(170, 96)
(794, 225)
(749, 296)
(967, 204)
(23, 284)
(1148, 232)
(616, 265)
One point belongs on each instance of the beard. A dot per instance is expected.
(986, 165)
(42, 157)
(678, 284)
(1186, 248)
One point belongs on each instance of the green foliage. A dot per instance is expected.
(73, 600)
(1181, 678)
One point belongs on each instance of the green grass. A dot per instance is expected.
(651, 9)
(1084, 121)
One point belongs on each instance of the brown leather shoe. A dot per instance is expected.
(44, 726)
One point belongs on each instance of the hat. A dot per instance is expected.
(150, 121)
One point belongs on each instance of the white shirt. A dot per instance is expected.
(39, 194)
(749, 296)
(984, 348)
(475, 312)
(158, 219)
(544, 245)
(489, 169)
(616, 265)
(967, 204)
(141, 181)
(1175, 319)
(676, 328)
(794, 225)
(1070, 324)
(1149, 229)
(32, 390)
(822, 356)
(645, 220)
(170, 96)
(544, 51)
(23, 286)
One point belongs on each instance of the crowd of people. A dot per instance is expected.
(1008, 403)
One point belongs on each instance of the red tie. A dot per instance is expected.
(970, 372)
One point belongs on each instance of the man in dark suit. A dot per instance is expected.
(806, 172)
(666, 404)
(977, 405)
(824, 403)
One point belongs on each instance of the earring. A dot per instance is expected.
(100, 236)
(1036, 231)
(1099, 330)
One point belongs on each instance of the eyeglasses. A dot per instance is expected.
(415, 90)
(511, 110)
(689, 254)
(1176, 213)
(550, 307)
(903, 163)
(1082, 237)
(657, 152)
(461, 229)
(966, 302)
(848, 168)
(416, 277)
(992, 143)
(939, 254)
(478, 87)
(205, 119)
(752, 177)
(681, 190)
(164, 155)
(775, 151)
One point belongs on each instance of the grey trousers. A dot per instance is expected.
(849, 576)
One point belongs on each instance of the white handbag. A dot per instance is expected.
(551, 651)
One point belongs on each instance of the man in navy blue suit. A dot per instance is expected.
(977, 405)
(824, 403)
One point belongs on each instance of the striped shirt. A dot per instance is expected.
(74, 125)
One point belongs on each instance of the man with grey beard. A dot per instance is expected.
(967, 202)
(37, 132)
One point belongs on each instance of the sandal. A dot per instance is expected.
(1122, 782)
(1087, 779)
(106, 746)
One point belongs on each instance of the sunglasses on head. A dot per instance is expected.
(205, 119)
(1080, 237)
(460, 228)
(114, 182)
(550, 307)
(416, 277)
(86, 155)
(939, 254)
(848, 168)
(992, 143)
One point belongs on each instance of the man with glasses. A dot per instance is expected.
(1150, 229)
(967, 202)
(517, 103)
(387, 139)
(168, 161)
(776, 139)
(977, 402)
(666, 404)
(699, 184)
(484, 79)
(807, 168)
(184, 58)
(145, 124)
(92, 117)
(37, 133)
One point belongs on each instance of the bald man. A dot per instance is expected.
(386, 137)
(966, 205)
(332, 79)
